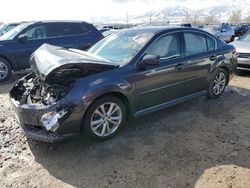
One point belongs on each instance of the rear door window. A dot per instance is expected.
(195, 43)
(67, 29)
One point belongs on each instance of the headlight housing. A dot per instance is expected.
(50, 120)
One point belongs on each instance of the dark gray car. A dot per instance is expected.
(129, 74)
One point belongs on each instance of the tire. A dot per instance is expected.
(232, 38)
(5, 69)
(95, 121)
(218, 83)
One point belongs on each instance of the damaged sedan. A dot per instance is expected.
(129, 74)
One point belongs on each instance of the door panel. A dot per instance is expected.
(159, 84)
(197, 73)
(198, 60)
(23, 50)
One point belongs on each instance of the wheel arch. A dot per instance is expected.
(116, 94)
(227, 70)
(7, 59)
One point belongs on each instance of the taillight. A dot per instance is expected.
(234, 52)
(101, 37)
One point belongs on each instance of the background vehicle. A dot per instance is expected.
(4, 28)
(241, 30)
(109, 32)
(186, 25)
(133, 72)
(243, 49)
(17, 45)
(225, 33)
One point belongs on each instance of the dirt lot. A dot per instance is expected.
(201, 143)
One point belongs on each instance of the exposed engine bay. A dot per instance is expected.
(35, 91)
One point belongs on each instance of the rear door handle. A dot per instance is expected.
(179, 66)
(213, 57)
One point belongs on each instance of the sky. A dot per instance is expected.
(87, 10)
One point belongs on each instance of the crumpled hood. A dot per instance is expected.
(48, 59)
(242, 46)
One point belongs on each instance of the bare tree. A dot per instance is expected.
(187, 18)
(247, 19)
(235, 17)
(210, 20)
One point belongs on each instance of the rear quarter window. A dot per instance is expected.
(210, 43)
(80, 29)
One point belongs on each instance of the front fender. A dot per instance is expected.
(86, 91)
(108, 86)
(5, 55)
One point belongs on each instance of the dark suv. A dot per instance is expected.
(17, 45)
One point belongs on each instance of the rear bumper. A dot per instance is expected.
(243, 64)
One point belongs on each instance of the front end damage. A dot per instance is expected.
(47, 103)
(39, 110)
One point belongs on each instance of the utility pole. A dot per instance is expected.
(127, 18)
(165, 16)
(150, 18)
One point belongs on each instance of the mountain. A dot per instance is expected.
(177, 14)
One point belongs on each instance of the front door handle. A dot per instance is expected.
(213, 57)
(179, 66)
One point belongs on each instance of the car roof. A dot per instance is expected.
(61, 21)
(159, 29)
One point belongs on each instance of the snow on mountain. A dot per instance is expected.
(221, 11)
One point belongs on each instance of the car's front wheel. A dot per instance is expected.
(218, 83)
(104, 118)
(5, 70)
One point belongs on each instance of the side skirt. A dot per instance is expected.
(169, 104)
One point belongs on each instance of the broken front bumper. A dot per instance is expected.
(29, 117)
(50, 123)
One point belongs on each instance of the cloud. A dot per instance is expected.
(128, 1)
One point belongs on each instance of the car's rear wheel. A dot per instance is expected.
(5, 70)
(104, 118)
(218, 83)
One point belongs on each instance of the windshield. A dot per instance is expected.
(245, 37)
(121, 47)
(2, 27)
(211, 29)
(10, 35)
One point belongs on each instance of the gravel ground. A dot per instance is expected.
(200, 143)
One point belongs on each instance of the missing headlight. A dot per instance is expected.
(50, 120)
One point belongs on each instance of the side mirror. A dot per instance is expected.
(22, 38)
(151, 60)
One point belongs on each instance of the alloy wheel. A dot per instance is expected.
(219, 83)
(3, 70)
(106, 119)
